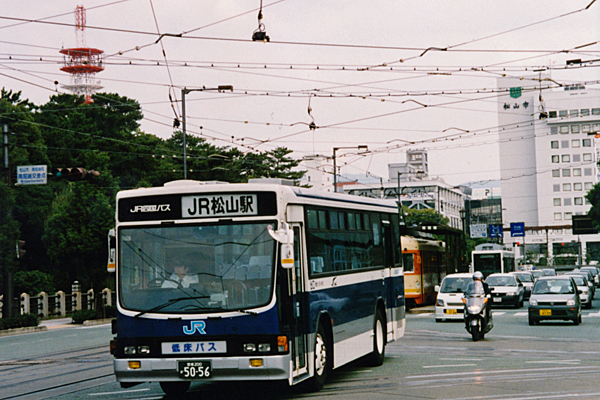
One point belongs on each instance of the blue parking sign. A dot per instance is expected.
(517, 229)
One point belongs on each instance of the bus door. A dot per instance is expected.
(389, 242)
(299, 324)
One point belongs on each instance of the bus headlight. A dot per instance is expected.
(249, 347)
(129, 350)
(264, 347)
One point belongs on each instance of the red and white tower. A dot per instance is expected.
(82, 62)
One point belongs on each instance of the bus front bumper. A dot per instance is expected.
(223, 369)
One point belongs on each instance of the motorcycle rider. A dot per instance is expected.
(478, 278)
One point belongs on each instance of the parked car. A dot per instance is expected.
(594, 272)
(527, 279)
(448, 304)
(584, 289)
(554, 298)
(506, 289)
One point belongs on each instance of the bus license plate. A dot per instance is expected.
(451, 311)
(545, 312)
(497, 299)
(194, 369)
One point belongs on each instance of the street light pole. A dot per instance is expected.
(184, 91)
(360, 147)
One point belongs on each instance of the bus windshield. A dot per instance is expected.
(487, 263)
(190, 269)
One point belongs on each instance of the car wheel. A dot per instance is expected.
(439, 320)
(531, 321)
(588, 305)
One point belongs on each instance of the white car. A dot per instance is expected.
(506, 289)
(448, 304)
(584, 290)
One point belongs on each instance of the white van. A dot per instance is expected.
(448, 304)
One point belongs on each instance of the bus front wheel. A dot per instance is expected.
(321, 360)
(175, 389)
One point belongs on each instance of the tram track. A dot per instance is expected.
(56, 373)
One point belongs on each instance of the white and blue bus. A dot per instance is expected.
(256, 281)
(491, 258)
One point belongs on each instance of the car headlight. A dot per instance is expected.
(439, 303)
(571, 302)
(533, 302)
(512, 293)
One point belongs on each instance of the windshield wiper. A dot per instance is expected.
(167, 304)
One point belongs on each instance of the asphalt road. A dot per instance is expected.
(554, 360)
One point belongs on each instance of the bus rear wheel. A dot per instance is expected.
(379, 337)
(174, 389)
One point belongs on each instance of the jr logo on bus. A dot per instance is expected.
(195, 326)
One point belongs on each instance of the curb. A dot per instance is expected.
(92, 322)
(19, 331)
(422, 310)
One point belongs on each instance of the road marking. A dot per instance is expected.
(521, 314)
(448, 366)
(461, 359)
(498, 313)
(571, 362)
(424, 315)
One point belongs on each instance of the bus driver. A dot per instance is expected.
(180, 278)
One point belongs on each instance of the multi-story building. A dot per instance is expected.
(548, 140)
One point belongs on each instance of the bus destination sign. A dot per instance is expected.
(219, 205)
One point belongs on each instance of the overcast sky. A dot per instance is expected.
(361, 66)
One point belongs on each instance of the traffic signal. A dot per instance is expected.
(73, 174)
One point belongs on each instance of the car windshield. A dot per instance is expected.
(594, 271)
(501, 281)
(455, 285)
(579, 280)
(191, 269)
(553, 286)
(525, 277)
(537, 273)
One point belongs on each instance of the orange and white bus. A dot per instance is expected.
(424, 268)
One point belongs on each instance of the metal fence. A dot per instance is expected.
(61, 304)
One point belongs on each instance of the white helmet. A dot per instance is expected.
(478, 276)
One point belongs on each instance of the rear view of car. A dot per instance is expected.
(554, 298)
(449, 303)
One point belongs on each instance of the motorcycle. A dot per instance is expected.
(478, 321)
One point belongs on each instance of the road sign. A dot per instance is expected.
(496, 231)
(32, 175)
(517, 229)
(479, 231)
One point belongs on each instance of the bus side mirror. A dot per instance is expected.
(285, 236)
(112, 251)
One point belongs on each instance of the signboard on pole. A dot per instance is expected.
(479, 231)
(517, 229)
(496, 231)
(32, 175)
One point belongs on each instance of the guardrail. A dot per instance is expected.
(61, 304)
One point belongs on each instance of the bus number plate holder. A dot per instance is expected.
(194, 369)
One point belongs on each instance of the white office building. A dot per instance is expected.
(549, 149)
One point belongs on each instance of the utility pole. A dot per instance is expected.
(8, 289)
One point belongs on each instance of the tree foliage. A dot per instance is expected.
(65, 224)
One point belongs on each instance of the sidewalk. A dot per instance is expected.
(51, 324)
